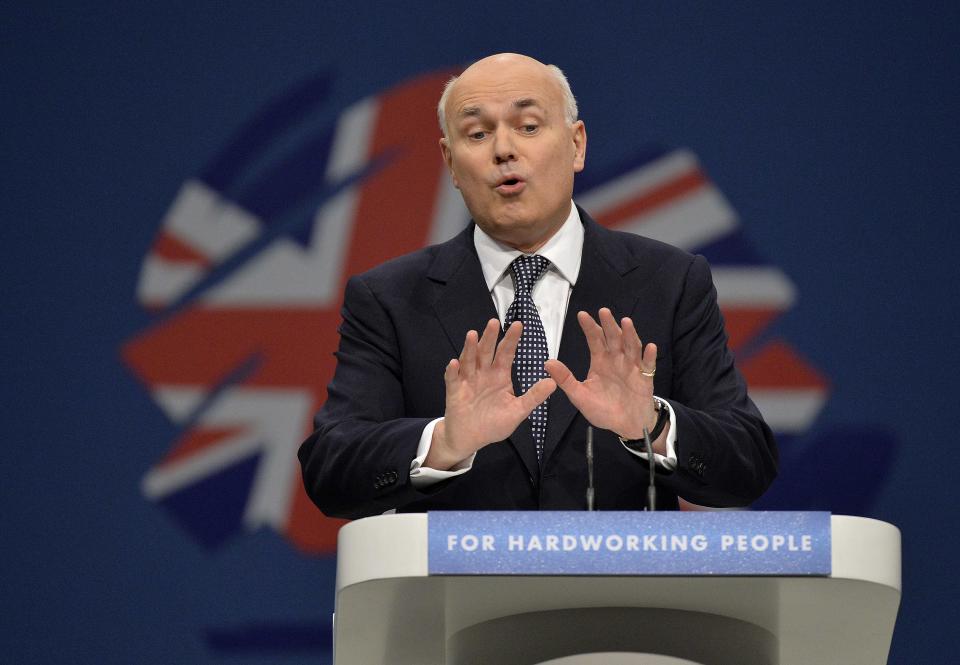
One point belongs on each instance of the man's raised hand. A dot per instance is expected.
(481, 407)
(617, 394)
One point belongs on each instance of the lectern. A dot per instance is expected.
(391, 611)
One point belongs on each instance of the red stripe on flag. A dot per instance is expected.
(396, 207)
(777, 365)
(196, 440)
(745, 323)
(171, 248)
(676, 188)
(200, 347)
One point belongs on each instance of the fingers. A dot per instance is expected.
(452, 371)
(481, 351)
(488, 342)
(468, 356)
(611, 331)
(632, 346)
(649, 363)
(644, 357)
(507, 349)
(604, 337)
(592, 332)
(609, 338)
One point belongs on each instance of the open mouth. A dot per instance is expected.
(510, 186)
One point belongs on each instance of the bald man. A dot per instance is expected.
(468, 372)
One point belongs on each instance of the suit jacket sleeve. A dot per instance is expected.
(726, 453)
(357, 461)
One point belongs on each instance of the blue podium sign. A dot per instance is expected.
(629, 543)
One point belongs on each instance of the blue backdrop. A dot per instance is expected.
(829, 127)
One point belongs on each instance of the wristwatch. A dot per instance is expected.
(663, 417)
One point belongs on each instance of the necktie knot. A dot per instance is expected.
(526, 270)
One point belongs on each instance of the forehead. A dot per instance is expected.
(505, 86)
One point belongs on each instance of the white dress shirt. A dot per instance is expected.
(551, 295)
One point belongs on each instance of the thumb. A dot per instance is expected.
(560, 373)
(537, 394)
(564, 378)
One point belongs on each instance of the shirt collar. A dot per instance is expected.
(564, 250)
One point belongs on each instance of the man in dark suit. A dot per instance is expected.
(505, 428)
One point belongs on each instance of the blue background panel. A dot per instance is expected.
(830, 127)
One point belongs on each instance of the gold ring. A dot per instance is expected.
(650, 374)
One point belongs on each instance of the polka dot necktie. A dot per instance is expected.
(532, 349)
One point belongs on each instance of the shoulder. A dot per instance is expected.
(628, 252)
(404, 272)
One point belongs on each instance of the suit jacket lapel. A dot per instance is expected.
(600, 283)
(463, 302)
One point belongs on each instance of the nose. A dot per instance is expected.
(503, 147)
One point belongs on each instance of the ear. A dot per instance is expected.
(579, 145)
(448, 160)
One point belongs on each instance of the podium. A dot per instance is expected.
(390, 611)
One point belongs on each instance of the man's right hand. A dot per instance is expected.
(481, 407)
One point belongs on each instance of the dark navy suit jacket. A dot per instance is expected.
(404, 320)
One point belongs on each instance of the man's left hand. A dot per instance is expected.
(616, 394)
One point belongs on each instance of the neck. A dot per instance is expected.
(529, 245)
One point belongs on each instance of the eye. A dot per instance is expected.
(529, 129)
(477, 136)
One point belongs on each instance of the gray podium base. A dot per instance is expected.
(538, 637)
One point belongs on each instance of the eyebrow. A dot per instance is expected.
(470, 112)
(522, 103)
(527, 102)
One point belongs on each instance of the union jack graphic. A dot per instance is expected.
(246, 274)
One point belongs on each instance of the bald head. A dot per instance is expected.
(512, 144)
(495, 67)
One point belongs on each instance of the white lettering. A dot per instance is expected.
(534, 544)
(514, 542)
(589, 543)
(678, 543)
(488, 543)
(633, 543)
(614, 543)
(469, 543)
(699, 542)
(649, 543)
(552, 543)
(760, 542)
(451, 541)
(569, 543)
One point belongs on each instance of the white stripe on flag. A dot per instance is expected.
(749, 286)
(163, 480)
(789, 410)
(209, 223)
(693, 221)
(161, 281)
(638, 182)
